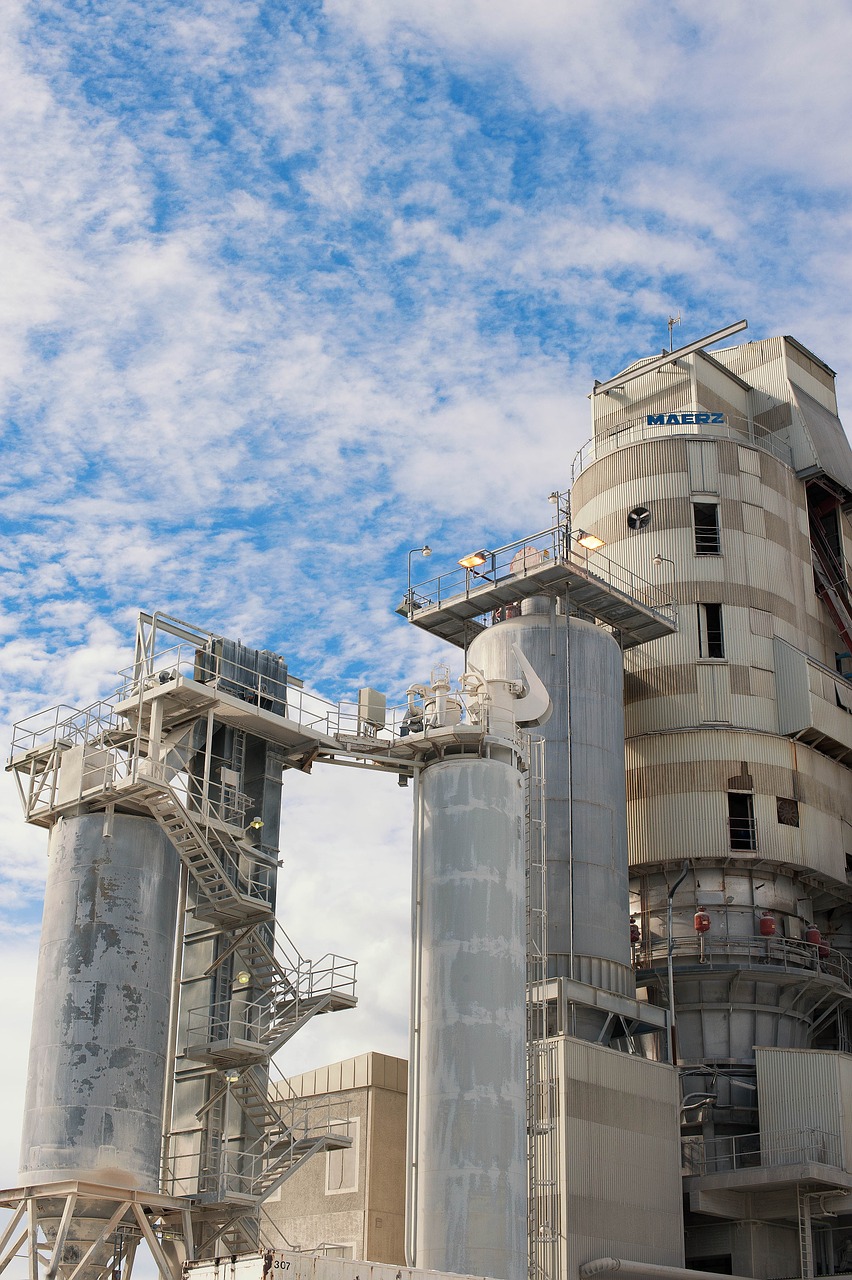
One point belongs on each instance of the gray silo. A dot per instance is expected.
(99, 1047)
(588, 934)
(471, 1141)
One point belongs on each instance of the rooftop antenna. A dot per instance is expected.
(673, 320)
(639, 370)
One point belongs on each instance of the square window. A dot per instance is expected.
(743, 834)
(706, 519)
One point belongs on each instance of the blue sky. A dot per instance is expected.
(291, 288)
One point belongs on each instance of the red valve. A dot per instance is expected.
(635, 932)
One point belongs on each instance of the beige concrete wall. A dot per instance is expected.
(370, 1091)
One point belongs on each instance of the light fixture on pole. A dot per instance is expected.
(424, 551)
(658, 560)
(589, 540)
(474, 560)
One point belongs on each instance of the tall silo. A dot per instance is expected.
(468, 1188)
(588, 930)
(99, 1047)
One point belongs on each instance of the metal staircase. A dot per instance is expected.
(212, 860)
(830, 579)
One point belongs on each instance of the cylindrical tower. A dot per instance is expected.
(469, 1057)
(94, 1102)
(733, 743)
(588, 929)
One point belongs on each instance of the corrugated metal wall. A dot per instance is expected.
(805, 1092)
(620, 1144)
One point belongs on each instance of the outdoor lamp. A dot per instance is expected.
(589, 540)
(474, 560)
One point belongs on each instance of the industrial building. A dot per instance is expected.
(632, 979)
(351, 1204)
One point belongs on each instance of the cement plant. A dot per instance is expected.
(631, 1005)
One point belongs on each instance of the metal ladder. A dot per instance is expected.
(806, 1243)
(542, 1180)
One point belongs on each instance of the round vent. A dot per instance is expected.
(638, 518)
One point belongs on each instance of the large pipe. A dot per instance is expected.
(646, 1270)
(469, 1160)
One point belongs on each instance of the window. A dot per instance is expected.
(788, 811)
(341, 1166)
(711, 641)
(706, 518)
(741, 820)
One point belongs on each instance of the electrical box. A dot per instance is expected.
(372, 708)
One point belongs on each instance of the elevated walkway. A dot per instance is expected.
(460, 604)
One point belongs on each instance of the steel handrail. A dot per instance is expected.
(638, 431)
(783, 953)
(550, 544)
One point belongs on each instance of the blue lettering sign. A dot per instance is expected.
(684, 419)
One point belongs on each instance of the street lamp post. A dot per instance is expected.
(425, 550)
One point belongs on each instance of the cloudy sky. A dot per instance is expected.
(289, 288)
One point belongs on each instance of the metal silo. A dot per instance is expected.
(471, 1143)
(99, 1047)
(467, 1093)
(588, 934)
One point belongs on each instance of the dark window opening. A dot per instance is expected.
(721, 1264)
(788, 811)
(706, 517)
(831, 528)
(741, 820)
(711, 640)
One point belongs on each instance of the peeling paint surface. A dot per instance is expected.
(100, 1023)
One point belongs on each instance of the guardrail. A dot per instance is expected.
(748, 952)
(518, 559)
(701, 1156)
(219, 1169)
(639, 431)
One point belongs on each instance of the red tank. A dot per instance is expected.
(768, 926)
(701, 921)
(635, 932)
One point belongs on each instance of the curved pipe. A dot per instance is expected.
(645, 1270)
(534, 707)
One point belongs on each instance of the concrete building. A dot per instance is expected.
(350, 1203)
(730, 477)
(671, 945)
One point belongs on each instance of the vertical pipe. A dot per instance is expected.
(414, 1028)
(174, 1010)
